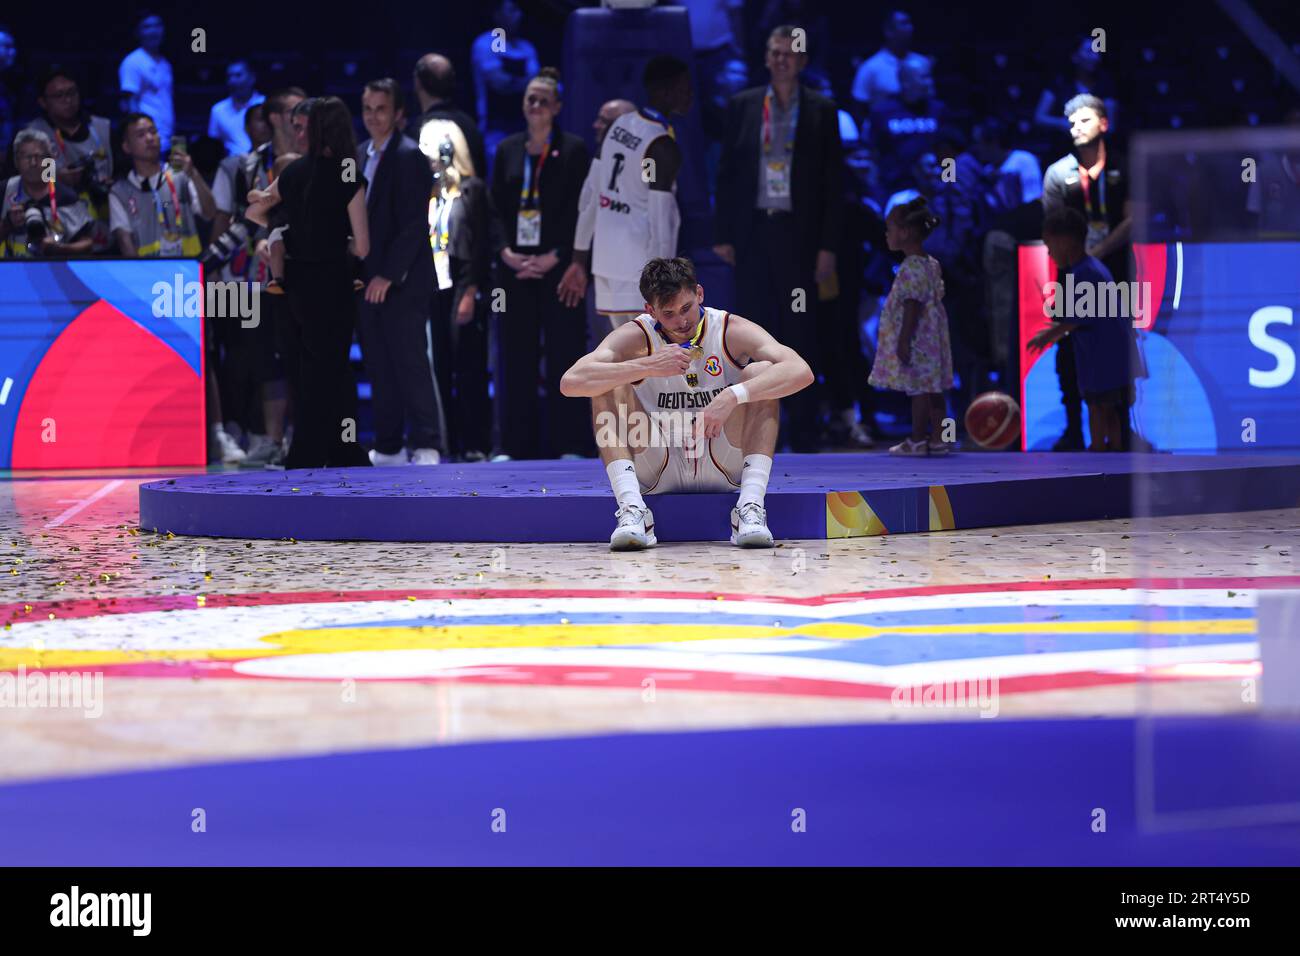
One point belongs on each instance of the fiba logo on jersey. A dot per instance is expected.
(713, 366)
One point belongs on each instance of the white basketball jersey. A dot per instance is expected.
(711, 373)
(620, 247)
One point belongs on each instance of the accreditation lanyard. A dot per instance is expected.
(54, 209)
(1085, 182)
(529, 195)
(767, 122)
(439, 233)
(158, 205)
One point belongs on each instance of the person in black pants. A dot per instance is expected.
(778, 211)
(399, 281)
(537, 177)
(1091, 180)
(458, 233)
(325, 206)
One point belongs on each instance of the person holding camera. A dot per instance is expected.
(42, 217)
(83, 153)
(152, 209)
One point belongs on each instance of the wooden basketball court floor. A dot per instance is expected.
(220, 649)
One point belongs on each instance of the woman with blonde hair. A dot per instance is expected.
(458, 237)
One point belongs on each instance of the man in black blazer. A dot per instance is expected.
(399, 279)
(778, 209)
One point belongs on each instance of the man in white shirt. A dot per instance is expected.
(226, 120)
(878, 74)
(145, 79)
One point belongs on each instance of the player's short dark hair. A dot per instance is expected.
(1084, 101)
(276, 101)
(661, 72)
(1066, 222)
(661, 279)
(388, 85)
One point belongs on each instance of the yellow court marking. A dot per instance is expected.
(334, 640)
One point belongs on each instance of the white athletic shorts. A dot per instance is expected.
(619, 299)
(665, 469)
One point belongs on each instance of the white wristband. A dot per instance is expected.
(741, 393)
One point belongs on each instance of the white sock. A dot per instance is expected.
(753, 479)
(622, 478)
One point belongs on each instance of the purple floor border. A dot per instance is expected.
(554, 501)
(974, 793)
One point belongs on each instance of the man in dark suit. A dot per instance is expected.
(435, 87)
(399, 278)
(778, 209)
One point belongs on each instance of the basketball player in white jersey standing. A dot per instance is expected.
(684, 399)
(631, 216)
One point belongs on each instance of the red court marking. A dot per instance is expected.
(568, 675)
(19, 612)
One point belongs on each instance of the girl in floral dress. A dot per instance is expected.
(912, 351)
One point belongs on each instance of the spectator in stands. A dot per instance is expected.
(145, 79)
(878, 74)
(1012, 177)
(1091, 181)
(537, 180)
(905, 126)
(716, 30)
(435, 89)
(400, 281)
(504, 63)
(41, 218)
(152, 209)
(1087, 78)
(226, 121)
(9, 95)
(327, 226)
(299, 117)
(459, 224)
(778, 210)
(252, 376)
(83, 148)
(1273, 199)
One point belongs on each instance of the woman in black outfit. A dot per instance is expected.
(325, 206)
(536, 179)
(459, 236)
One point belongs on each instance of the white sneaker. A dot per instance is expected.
(749, 526)
(223, 448)
(261, 449)
(380, 460)
(500, 458)
(425, 456)
(909, 447)
(635, 531)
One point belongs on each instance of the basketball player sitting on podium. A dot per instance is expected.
(631, 215)
(685, 399)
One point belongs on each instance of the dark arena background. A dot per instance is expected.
(332, 533)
